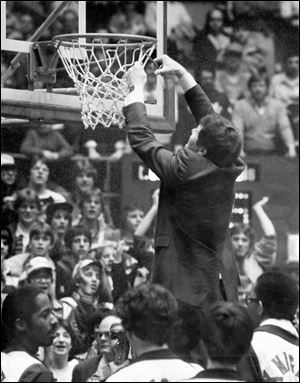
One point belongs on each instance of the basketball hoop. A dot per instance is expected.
(98, 64)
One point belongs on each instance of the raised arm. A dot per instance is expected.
(196, 98)
(265, 222)
(149, 217)
(265, 250)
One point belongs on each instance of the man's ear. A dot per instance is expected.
(21, 325)
(260, 308)
(202, 150)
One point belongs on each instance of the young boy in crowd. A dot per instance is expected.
(41, 240)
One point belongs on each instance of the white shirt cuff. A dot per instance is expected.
(187, 82)
(137, 95)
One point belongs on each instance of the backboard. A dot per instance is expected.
(61, 103)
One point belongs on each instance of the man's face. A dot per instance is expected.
(241, 244)
(41, 245)
(254, 308)
(292, 66)
(8, 175)
(233, 61)
(4, 248)
(108, 257)
(90, 283)
(39, 174)
(84, 181)
(102, 332)
(207, 80)
(80, 246)
(216, 21)
(42, 279)
(42, 326)
(133, 219)
(26, 24)
(259, 90)
(92, 207)
(60, 221)
(28, 213)
(62, 342)
(192, 142)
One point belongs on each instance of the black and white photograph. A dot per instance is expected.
(150, 191)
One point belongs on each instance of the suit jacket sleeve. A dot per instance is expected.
(166, 165)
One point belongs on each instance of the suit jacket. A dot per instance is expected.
(195, 204)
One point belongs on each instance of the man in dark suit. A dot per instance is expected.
(196, 193)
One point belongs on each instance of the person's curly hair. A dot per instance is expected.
(148, 311)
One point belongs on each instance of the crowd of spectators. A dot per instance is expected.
(95, 269)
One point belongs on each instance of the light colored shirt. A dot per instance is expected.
(65, 374)
(260, 128)
(285, 89)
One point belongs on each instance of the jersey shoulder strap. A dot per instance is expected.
(275, 330)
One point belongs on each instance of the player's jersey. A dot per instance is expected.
(276, 344)
(156, 366)
(19, 366)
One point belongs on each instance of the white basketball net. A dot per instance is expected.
(99, 74)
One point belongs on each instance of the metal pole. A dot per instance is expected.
(15, 63)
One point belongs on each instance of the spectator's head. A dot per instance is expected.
(207, 78)
(39, 273)
(148, 313)
(292, 65)
(216, 139)
(39, 172)
(70, 21)
(92, 204)
(62, 343)
(241, 31)
(214, 21)
(258, 87)
(59, 216)
(86, 277)
(27, 317)
(132, 216)
(242, 239)
(226, 331)
(27, 25)
(41, 239)
(8, 169)
(78, 240)
(85, 175)
(28, 206)
(103, 335)
(275, 296)
(6, 244)
(186, 331)
(233, 57)
(107, 256)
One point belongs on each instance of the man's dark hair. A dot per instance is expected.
(258, 78)
(227, 331)
(21, 303)
(222, 141)
(279, 295)
(148, 311)
(75, 231)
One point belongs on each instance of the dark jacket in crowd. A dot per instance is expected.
(196, 199)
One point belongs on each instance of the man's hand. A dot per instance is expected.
(136, 76)
(50, 155)
(169, 66)
(261, 203)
